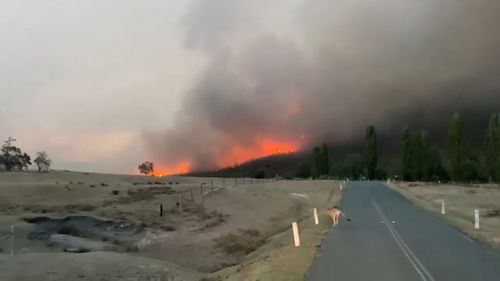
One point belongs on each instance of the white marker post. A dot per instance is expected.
(12, 240)
(340, 186)
(476, 219)
(443, 207)
(315, 212)
(296, 238)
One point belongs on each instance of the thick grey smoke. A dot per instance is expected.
(335, 67)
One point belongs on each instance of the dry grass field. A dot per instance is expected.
(461, 201)
(84, 226)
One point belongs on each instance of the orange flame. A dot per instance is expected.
(180, 168)
(236, 155)
(263, 148)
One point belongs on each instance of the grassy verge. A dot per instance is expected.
(288, 262)
(279, 259)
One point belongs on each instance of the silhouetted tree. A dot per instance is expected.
(325, 161)
(260, 174)
(12, 158)
(457, 149)
(492, 148)
(371, 152)
(316, 160)
(406, 165)
(304, 171)
(352, 166)
(146, 168)
(42, 161)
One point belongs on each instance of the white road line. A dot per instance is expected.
(401, 246)
(417, 265)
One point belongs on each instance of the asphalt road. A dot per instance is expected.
(390, 238)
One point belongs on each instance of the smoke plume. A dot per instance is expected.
(287, 74)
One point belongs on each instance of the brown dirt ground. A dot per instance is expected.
(176, 246)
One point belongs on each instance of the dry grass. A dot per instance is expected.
(141, 194)
(69, 208)
(284, 262)
(461, 201)
(240, 244)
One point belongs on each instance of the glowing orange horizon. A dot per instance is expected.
(236, 155)
(180, 168)
(263, 148)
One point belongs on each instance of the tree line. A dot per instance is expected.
(419, 159)
(13, 159)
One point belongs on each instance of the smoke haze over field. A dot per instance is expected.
(324, 70)
(204, 84)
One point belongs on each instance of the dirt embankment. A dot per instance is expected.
(230, 231)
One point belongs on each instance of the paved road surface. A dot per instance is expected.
(389, 239)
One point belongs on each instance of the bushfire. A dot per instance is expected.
(236, 155)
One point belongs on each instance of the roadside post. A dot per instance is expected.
(12, 235)
(340, 186)
(296, 238)
(443, 207)
(315, 212)
(476, 219)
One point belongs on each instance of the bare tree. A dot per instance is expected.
(146, 168)
(42, 161)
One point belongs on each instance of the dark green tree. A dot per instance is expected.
(321, 161)
(457, 149)
(316, 162)
(435, 168)
(325, 161)
(492, 148)
(371, 160)
(304, 171)
(353, 165)
(406, 163)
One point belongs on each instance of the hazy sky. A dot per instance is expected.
(102, 85)
(83, 79)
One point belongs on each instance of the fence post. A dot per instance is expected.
(161, 210)
(476, 219)
(316, 221)
(12, 236)
(296, 238)
(443, 207)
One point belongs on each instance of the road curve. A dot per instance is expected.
(391, 239)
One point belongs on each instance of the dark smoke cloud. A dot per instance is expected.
(351, 63)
